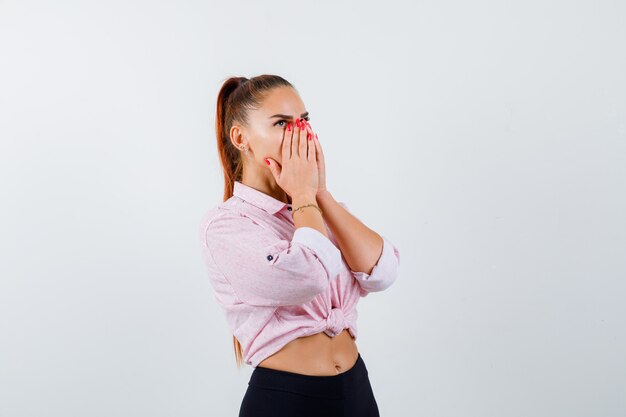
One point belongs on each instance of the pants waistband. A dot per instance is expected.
(326, 386)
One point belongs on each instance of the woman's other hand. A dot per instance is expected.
(321, 165)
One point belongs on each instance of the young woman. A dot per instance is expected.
(288, 264)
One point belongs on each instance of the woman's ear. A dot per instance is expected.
(236, 136)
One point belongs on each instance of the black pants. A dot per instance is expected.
(274, 393)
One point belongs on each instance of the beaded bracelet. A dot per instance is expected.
(307, 205)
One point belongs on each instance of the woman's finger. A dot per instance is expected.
(296, 139)
(318, 150)
(286, 148)
(312, 154)
(302, 142)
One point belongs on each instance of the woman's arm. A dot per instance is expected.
(373, 260)
(361, 246)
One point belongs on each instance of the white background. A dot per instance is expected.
(486, 139)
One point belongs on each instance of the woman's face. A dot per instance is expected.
(264, 133)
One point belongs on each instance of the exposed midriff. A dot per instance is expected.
(317, 355)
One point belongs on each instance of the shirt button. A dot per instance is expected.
(270, 257)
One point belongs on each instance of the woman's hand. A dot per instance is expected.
(321, 166)
(297, 174)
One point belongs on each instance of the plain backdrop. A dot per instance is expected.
(486, 139)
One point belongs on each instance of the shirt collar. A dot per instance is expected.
(258, 198)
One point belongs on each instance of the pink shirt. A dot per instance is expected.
(276, 283)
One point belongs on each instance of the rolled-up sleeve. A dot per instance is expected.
(384, 272)
(264, 269)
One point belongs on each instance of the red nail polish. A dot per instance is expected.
(289, 127)
(267, 161)
(308, 136)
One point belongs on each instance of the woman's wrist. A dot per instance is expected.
(301, 199)
(323, 195)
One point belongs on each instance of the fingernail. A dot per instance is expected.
(308, 136)
(298, 122)
(289, 127)
(267, 161)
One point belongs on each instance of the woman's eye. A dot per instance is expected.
(283, 120)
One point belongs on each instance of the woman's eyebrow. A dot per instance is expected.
(286, 116)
